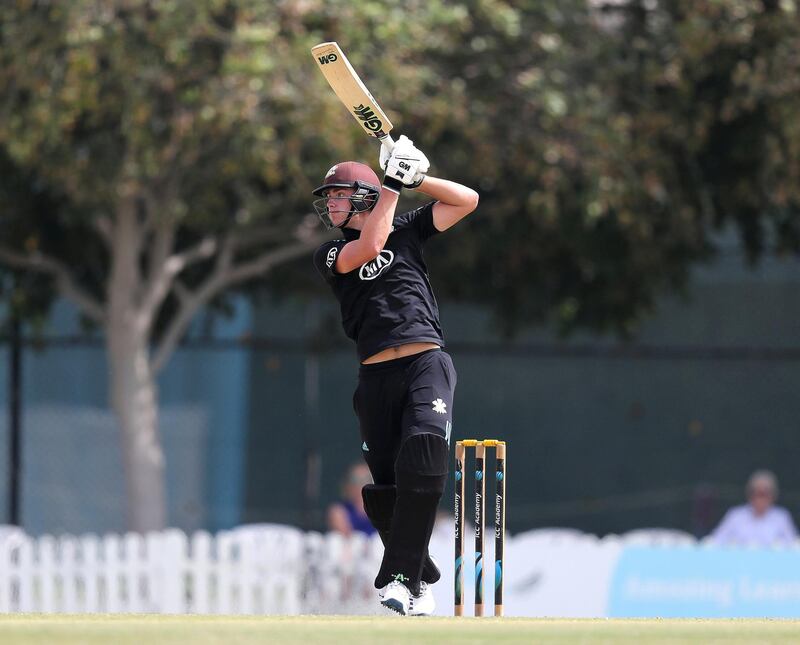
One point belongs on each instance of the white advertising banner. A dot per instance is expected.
(563, 573)
(547, 573)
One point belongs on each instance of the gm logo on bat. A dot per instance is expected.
(328, 58)
(370, 120)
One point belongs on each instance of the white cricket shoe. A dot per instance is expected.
(424, 604)
(397, 597)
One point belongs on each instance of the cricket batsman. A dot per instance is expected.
(404, 397)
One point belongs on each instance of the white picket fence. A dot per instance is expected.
(277, 569)
(260, 569)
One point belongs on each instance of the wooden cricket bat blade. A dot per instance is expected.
(352, 92)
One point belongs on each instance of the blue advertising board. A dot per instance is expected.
(705, 582)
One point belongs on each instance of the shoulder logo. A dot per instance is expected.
(331, 257)
(373, 268)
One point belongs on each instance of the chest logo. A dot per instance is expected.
(373, 268)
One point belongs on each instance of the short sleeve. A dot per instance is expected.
(325, 258)
(420, 219)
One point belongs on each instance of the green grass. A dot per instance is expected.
(309, 630)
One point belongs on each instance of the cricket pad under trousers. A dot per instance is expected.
(379, 504)
(404, 407)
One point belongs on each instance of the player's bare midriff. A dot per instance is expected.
(399, 352)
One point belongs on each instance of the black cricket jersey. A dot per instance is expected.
(387, 301)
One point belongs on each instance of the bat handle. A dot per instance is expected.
(387, 141)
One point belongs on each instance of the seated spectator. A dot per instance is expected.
(759, 522)
(347, 515)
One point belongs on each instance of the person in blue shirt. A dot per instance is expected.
(347, 516)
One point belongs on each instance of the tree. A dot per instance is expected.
(158, 155)
(609, 142)
(710, 87)
(144, 133)
(155, 155)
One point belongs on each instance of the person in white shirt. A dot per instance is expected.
(759, 522)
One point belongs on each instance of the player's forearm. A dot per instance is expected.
(379, 223)
(448, 192)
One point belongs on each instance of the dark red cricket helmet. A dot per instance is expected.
(349, 174)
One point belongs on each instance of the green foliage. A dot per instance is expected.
(611, 143)
(608, 142)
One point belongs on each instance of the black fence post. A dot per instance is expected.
(14, 419)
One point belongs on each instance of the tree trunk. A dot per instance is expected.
(134, 400)
(133, 385)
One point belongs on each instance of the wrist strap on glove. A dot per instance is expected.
(390, 183)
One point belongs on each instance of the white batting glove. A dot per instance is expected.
(402, 143)
(421, 160)
(401, 170)
(405, 164)
(416, 158)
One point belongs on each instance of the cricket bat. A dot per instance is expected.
(352, 92)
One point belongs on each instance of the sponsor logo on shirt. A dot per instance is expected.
(373, 268)
(331, 257)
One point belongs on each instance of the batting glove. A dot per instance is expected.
(405, 164)
(400, 173)
(402, 143)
